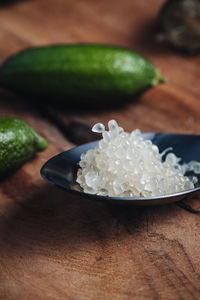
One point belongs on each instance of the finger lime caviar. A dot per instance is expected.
(126, 165)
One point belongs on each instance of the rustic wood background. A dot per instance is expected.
(55, 246)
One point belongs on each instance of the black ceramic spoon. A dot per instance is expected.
(61, 170)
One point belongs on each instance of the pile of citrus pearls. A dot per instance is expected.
(126, 165)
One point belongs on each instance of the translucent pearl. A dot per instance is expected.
(117, 188)
(171, 159)
(112, 125)
(99, 128)
(106, 136)
(196, 168)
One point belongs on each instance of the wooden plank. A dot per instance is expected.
(55, 246)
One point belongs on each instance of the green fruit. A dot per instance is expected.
(18, 143)
(179, 22)
(79, 73)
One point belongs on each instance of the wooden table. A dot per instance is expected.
(55, 246)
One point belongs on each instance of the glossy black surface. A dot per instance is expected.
(61, 170)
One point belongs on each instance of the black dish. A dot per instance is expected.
(61, 170)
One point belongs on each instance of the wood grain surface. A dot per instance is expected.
(57, 246)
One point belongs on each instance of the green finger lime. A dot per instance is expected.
(79, 74)
(18, 143)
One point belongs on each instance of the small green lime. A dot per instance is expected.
(18, 143)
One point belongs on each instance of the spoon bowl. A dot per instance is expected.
(61, 169)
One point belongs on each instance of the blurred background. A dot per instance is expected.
(126, 23)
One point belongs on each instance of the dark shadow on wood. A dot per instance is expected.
(10, 2)
(76, 132)
(51, 218)
(190, 204)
